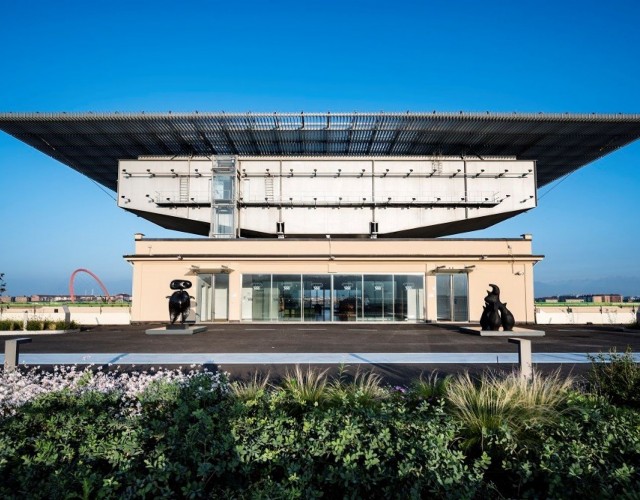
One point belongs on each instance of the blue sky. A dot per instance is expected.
(316, 56)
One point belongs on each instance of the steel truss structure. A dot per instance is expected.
(92, 143)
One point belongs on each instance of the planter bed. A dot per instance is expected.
(21, 333)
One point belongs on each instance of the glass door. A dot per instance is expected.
(378, 297)
(212, 297)
(316, 297)
(408, 297)
(460, 296)
(220, 297)
(256, 294)
(204, 300)
(452, 297)
(347, 297)
(285, 296)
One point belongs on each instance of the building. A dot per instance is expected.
(327, 217)
(608, 298)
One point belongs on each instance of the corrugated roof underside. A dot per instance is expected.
(93, 143)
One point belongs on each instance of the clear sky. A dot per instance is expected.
(331, 55)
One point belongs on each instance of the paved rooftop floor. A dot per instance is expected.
(398, 352)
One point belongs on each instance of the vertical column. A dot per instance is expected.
(235, 297)
(12, 352)
(524, 357)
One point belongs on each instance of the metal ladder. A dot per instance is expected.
(268, 188)
(184, 189)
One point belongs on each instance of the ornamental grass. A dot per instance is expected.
(497, 402)
(306, 386)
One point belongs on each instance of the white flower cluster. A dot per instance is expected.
(18, 387)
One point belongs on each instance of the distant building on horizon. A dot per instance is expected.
(587, 298)
(47, 298)
(599, 298)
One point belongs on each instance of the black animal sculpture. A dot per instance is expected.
(508, 321)
(490, 319)
(179, 301)
(495, 313)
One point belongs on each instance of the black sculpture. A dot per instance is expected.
(495, 313)
(179, 301)
(508, 321)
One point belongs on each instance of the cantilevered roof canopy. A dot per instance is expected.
(92, 143)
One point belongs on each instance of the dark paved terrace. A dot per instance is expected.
(270, 341)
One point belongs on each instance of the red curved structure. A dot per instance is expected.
(73, 275)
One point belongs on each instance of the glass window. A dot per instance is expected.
(221, 296)
(347, 297)
(316, 297)
(408, 297)
(337, 297)
(460, 297)
(443, 288)
(256, 294)
(286, 297)
(378, 297)
(452, 290)
(204, 297)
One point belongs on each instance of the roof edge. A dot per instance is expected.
(460, 115)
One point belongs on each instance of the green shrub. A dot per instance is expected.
(591, 453)
(10, 325)
(65, 444)
(187, 438)
(356, 451)
(37, 325)
(34, 325)
(66, 325)
(616, 376)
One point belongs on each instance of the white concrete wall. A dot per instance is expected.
(82, 315)
(585, 315)
(274, 182)
(508, 263)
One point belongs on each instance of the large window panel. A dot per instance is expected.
(347, 297)
(256, 297)
(460, 297)
(408, 297)
(443, 290)
(204, 297)
(453, 300)
(378, 297)
(338, 297)
(286, 297)
(316, 297)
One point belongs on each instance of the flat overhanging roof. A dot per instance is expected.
(92, 143)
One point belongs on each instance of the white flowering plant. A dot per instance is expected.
(133, 389)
